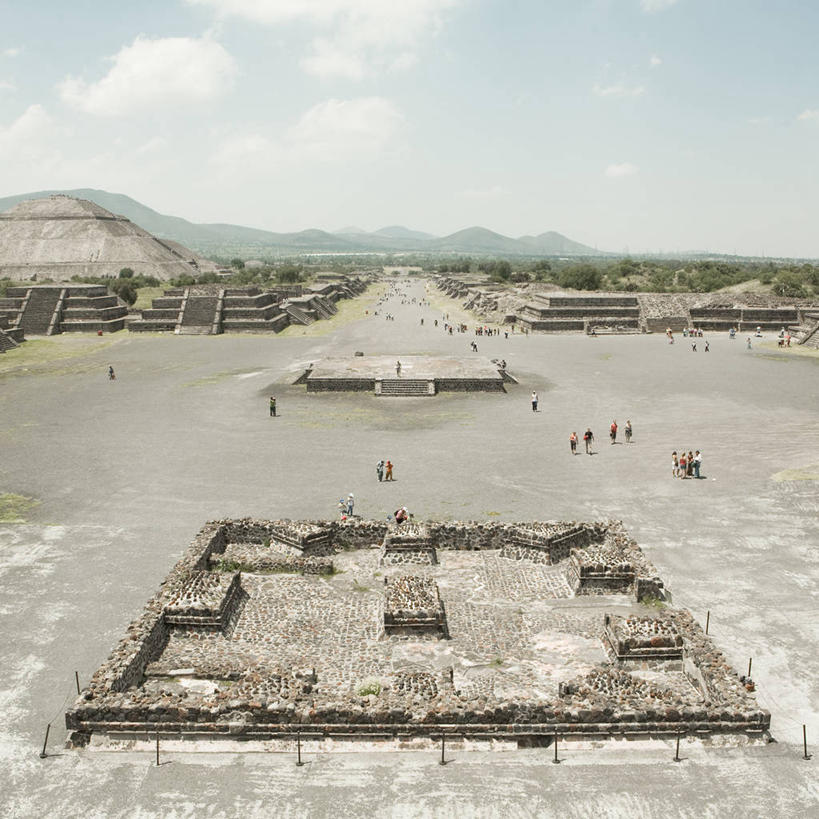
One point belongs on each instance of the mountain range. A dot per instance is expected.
(226, 239)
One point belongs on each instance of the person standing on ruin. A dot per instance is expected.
(628, 432)
(573, 443)
(389, 471)
(613, 432)
(398, 368)
(272, 406)
(588, 439)
(534, 401)
(379, 470)
(350, 505)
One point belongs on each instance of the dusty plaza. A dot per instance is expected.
(122, 475)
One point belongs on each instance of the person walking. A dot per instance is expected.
(628, 432)
(112, 376)
(707, 346)
(588, 439)
(697, 463)
(389, 471)
(613, 432)
(379, 470)
(272, 406)
(534, 401)
(573, 443)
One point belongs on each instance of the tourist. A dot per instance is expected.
(675, 465)
(573, 443)
(401, 515)
(388, 476)
(697, 463)
(342, 508)
(272, 406)
(707, 346)
(350, 505)
(588, 438)
(690, 461)
(683, 465)
(112, 376)
(694, 347)
(613, 432)
(379, 470)
(534, 401)
(749, 343)
(628, 432)
(398, 368)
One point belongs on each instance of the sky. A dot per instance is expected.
(628, 125)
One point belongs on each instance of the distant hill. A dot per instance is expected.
(227, 240)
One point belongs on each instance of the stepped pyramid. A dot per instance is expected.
(58, 236)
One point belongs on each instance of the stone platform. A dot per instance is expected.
(419, 376)
(478, 644)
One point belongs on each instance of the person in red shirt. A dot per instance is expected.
(613, 433)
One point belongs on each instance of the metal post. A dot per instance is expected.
(750, 660)
(707, 621)
(299, 763)
(805, 742)
(77, 680)
(677, 752)
(443, 749)
(555, 761)
(43, 753)
(157, 747)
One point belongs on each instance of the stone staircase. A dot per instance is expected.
(253, 311)
(38, 310)
(90, 309)
(404, 387)
(163, 315)
(567, 313)
(807, 333)
(297, 314)
(199, 315)
(8, 341)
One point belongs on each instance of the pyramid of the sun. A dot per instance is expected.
(58, 237)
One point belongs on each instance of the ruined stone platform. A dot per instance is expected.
(481, 644)
(419, 375)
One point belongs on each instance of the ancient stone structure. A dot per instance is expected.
(51, 309)
(212, 309)
(537, 310)
(58, 237)
(418, 375)
(478, 644)
(10, 336)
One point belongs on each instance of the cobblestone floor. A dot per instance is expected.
(515, 628)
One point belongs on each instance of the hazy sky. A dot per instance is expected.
(639, 124)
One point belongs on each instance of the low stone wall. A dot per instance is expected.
(260, 559)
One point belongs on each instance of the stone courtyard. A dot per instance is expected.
(120, 475)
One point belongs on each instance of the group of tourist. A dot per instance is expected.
(383, 469)
(686, 466)
(588, 435)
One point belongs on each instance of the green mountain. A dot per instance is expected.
(227, 240)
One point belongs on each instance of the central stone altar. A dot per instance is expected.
(417, 375)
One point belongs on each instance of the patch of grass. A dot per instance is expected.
(497, 662)
(370, 686)
(805, 473)
(146, 295)
(492, 514)
(652, 602)
(349, 310)
(359, 587)
(14, 508)
(47, 355)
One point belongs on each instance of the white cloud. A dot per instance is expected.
(619, 90)
(11, 52)
(357, 36)
(174, 71)
(28, 140)
(809, 115)
(655, 60)
(336, 129)
(331, 131)
(621, 169)
(651, 6)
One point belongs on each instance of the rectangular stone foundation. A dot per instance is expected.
(413, 607)
(643, 639)
(408, 543)
(206, 602)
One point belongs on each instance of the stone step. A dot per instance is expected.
(404, 386)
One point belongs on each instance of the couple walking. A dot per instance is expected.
(381, 467)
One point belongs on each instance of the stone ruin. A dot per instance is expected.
(268, 628)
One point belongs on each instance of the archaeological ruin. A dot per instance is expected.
(364, 629)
